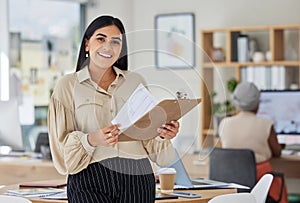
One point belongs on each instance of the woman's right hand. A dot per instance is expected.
(107, 136)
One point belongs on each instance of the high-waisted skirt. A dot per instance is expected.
(114, 180)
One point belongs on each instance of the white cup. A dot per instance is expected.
(166, 179)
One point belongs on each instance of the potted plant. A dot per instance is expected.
(225, 108)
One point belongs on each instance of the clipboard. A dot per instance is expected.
(165, 111)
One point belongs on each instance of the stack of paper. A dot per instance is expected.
(35, 192)
(142, 114)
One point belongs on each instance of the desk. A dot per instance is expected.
(15, 170)
(206, 196)
(287, 164)
(198, 165)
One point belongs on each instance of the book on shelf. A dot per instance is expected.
(234, 48)
(268, 77)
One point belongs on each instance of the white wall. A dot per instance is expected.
(118, 8)
(139, 15)
(4, 52)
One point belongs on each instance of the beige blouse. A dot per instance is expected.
(79, 106)
(246, 130)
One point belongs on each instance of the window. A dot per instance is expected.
(44, 40)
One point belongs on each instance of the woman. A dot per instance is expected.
(84, 143)
(246, 130)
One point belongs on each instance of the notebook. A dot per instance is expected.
(183, 181)
(45, 184)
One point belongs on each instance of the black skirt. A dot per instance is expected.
(114, 180)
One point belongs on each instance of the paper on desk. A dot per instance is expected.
(35, 192)
(200, 183)
(235, 185)
(139, 103)
(224, 186)
(58, 196)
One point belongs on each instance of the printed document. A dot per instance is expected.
(139, 103)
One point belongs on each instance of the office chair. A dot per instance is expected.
(13, 199)
(238, 166)
(233, 165)
(257, 195)
(42, 145)
(42, 139)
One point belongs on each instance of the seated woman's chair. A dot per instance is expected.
(233, 166)
(13, 199)
(238, 166)
(257, 195)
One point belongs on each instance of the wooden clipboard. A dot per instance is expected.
(165, 111)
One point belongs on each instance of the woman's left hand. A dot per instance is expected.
(169, 131)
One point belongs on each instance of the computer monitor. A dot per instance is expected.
(10, 128)
(283, 107)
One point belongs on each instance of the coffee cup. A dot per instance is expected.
(166, 179)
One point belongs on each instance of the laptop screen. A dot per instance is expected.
(182, 177)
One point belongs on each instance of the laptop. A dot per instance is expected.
(183, 181)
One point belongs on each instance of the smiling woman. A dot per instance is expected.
(84, 143)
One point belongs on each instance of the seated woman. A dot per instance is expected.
(246, 130)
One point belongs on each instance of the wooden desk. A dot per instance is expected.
(287, 164)
(15, 170)
(206, 196)
(198, 165)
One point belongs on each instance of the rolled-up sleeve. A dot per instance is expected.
(161, 151)
(70, 149)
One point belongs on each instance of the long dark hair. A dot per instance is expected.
(99, 22)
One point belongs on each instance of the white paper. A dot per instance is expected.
(139, 103)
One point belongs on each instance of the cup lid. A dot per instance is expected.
(166, 171)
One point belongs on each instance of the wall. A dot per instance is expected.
(139, 15)
(4, 63)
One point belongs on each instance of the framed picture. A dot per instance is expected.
(175, 40)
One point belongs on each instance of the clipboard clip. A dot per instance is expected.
(181, 95)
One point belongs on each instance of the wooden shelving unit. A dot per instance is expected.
(275, 39)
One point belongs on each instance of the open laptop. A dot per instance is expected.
(183, 181)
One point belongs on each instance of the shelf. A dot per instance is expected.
(210, 132)
(282, 41)
(263, 63)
